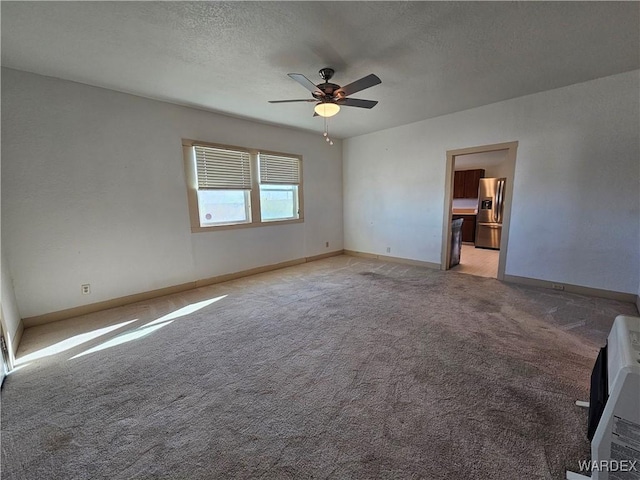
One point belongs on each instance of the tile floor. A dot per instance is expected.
(478, 261)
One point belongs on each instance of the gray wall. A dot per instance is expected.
(10, 313)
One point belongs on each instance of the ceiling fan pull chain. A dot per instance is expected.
(326, 131)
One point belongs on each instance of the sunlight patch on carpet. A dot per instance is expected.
(69, 343)
(189, 309)
(150, 327)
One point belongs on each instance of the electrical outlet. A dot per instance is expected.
(388, 249)
(326, 244)
(85, 289)
(557, 286)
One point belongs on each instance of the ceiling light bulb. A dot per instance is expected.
(327, 109)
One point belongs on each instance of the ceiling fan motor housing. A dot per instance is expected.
(327, 90)
(326, 73)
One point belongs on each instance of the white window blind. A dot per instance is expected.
(218, 168)
(275, 169)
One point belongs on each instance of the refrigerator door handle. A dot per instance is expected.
(498, 212)
(504, 182)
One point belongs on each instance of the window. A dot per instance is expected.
(234, 187)
(278, 202)
(279, 180)
(223, 207)
(224, 179)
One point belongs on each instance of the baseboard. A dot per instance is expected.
(143, 296)
(321, 256)
(266, 268)
(245, 273)
(638, 303)
(593, 292)
(387, 258)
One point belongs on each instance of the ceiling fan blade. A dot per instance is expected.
(356, 102)
(289, 101)
(304, 81)
(365, 82)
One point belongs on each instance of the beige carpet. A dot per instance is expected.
(341, 368)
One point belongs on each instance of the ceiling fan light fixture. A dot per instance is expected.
(327, 109)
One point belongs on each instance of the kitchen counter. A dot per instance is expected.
(464, 211)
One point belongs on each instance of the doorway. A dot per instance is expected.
(498, 161)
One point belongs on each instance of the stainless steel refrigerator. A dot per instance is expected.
(490, 210)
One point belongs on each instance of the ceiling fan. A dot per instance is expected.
(329, 97)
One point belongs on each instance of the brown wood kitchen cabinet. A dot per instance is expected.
(458, 184)
(465, 183)
(468, 227)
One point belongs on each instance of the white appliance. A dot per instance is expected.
(614, 407)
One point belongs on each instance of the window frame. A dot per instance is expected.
(254, 194)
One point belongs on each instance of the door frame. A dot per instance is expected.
(7, 359)
(511, 148)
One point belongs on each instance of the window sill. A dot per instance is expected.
(245, 225)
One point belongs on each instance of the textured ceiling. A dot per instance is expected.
(433, 58)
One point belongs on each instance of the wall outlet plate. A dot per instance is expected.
(85, 289)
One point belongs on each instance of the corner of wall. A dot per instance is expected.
(15, 341)
(11, 322)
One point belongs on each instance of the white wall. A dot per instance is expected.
(465, 203)
(497, 171)
(490, 162)
(575, 214)
(500, 168)
(93, 191)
